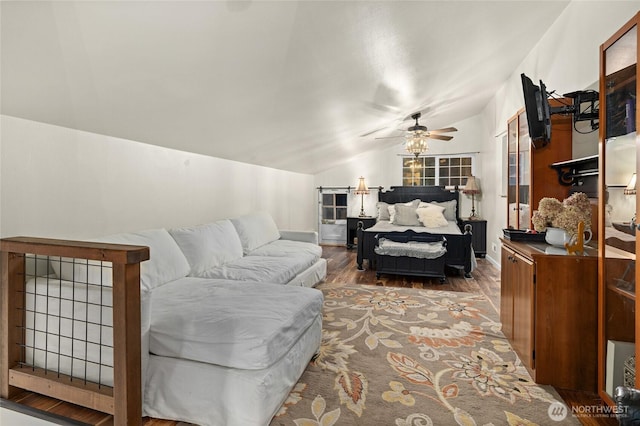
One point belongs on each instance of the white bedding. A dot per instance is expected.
(229, 323)
(386, 226)
(421, 250)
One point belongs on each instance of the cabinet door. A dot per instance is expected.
(523, 310)
(506, 292)
(618, 272)
(512, 173)
(524, 173)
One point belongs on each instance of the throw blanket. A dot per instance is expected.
(417, 249)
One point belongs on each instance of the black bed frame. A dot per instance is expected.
(459, 249)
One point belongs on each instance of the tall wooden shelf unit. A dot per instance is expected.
(618, 317)
(529, 176)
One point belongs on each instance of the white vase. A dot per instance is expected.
(557, 237)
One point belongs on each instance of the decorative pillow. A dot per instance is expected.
(256, 230)
(392, 208)
(208, 246)
(406, 216)
(383, 210)
(449, 209)
(431, 216)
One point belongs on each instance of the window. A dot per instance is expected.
(334, 207)
(437, 170)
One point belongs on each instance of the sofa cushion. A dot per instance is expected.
(166, 263)
(228, 323)
(255, 230)
(87, 271)
(287, 248)
(266, 269)
(208, 246)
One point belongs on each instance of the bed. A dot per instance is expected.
(459, 253)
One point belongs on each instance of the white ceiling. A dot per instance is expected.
(288, 84)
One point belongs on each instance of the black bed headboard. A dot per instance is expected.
(403, 194)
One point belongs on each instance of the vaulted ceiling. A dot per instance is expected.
(285, 84)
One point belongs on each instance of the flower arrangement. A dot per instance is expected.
(564, 215)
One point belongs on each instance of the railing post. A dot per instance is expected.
(127, 392)
(12, 267)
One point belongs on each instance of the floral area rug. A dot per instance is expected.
(399, 356)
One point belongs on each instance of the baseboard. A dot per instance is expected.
(492, 261)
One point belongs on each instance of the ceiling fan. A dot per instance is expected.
(417, 135)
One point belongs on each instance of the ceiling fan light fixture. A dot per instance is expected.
(416, 138)
(416, 142)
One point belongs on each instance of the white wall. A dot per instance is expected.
(65, 183)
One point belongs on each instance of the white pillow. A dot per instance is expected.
(449, 209)
(208, 246)
(392, 209)
(432, 216)
(405, 216)
(383, 210)
(255, 230)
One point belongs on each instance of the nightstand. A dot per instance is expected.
(352, 227)
(479, 235)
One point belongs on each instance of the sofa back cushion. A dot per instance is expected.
(256, 230)
(93, 272)
(208, 246)
(166, 262)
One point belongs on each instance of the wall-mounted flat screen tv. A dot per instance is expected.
(536, 105)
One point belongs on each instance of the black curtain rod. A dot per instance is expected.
(348, 188)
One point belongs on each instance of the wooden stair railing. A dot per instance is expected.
(124, 399)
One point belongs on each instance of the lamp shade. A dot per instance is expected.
(471, 186)
(631, 187)
(362, 187)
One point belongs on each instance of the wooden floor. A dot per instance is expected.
(342, 269)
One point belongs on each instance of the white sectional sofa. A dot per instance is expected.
(229, 322)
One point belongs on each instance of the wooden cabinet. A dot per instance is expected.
(529, 176)
(517, 303)
(618, 270)
(548, 312)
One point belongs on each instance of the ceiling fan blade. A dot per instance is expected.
(390, 137)
(373, 131)
(441, 137)
(445, 130)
